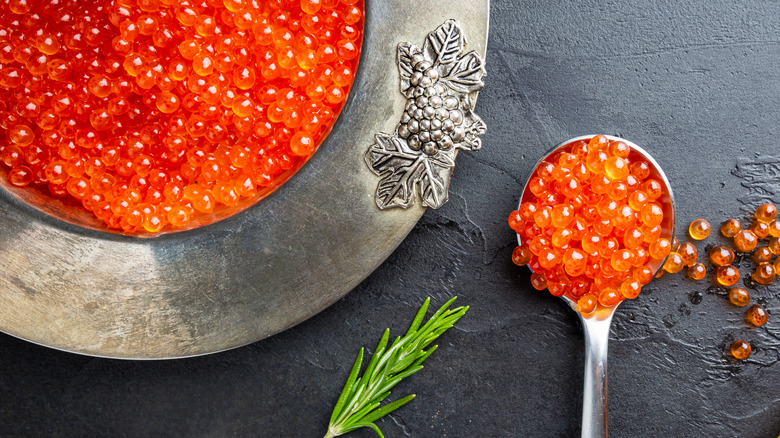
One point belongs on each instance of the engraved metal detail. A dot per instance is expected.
(439, 83)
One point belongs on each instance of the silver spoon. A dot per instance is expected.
(596, 325)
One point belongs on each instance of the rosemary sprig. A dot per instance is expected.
(358, 405)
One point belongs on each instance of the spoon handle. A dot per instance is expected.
(594, 397)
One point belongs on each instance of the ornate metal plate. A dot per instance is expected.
(248, 276)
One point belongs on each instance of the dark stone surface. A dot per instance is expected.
(696, 83)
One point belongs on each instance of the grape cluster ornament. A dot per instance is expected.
(439, 83)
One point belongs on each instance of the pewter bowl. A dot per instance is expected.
(248, 276)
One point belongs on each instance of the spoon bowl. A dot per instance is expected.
(596, 325)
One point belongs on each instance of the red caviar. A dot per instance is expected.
(595, 244)
(152, 113)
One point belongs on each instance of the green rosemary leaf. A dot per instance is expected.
(359, 403)
(357, 417)
(348, 386)
(388, 408)
(380, 349)
(391, 383)
(425, 355)
(359, 425)
(419, 317)
(381, 396)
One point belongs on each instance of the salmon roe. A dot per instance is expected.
(740, 349)
(697, 271)
(730, 228)
(593, 232)
(721, 255)
(739, 296)
(153, 113)
(699, 229)
(727, 275)
(756, 315)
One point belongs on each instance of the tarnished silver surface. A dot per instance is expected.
(439, 82)
(248, 276)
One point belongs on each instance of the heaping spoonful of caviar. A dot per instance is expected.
(595, 223)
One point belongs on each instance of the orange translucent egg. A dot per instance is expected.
(697, 271)
(616, 168)
(674, 263)
(587, 304)
(774, 228)
(548, 258)
(766, 213)
(660, 249)
(630, 288)
(727, 275)
(643, 274)
(598, 143)
(562, 215)
(575, 262)
(762, 255)
(543, 217)
(521, 256)
(740, 349)
(739, 296)
(721, 255)
(622, 260)
(653, 188)
(760, 229)
(699, 229)
(538, 281)
(618, 148)
(688, 253)
(637, 200)
(652, 214)
(596, 161)
(764, 274)
(640, 170)
(774, 245)
(745, 241)
(610, 297)
(756, 315)
(730, 228)
(633, 238)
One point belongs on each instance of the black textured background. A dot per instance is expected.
(696, 83)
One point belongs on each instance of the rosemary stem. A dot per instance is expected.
(360, 403)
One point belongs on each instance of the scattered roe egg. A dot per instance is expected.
(739, 296)
(756, 315)
(688, 253)
(730, 228)
(740, 349)
(721, 255)
(745, 241)
(762, 255)
(764, 274)
(151, 114)
(674, 263)
(697, 271)
(727, 275)
(592, 218)
(766, 213)
(699, 229)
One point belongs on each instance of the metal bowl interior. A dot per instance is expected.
(248, 276)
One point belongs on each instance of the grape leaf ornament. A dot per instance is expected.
(439, 83)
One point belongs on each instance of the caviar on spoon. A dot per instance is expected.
(595, 223)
